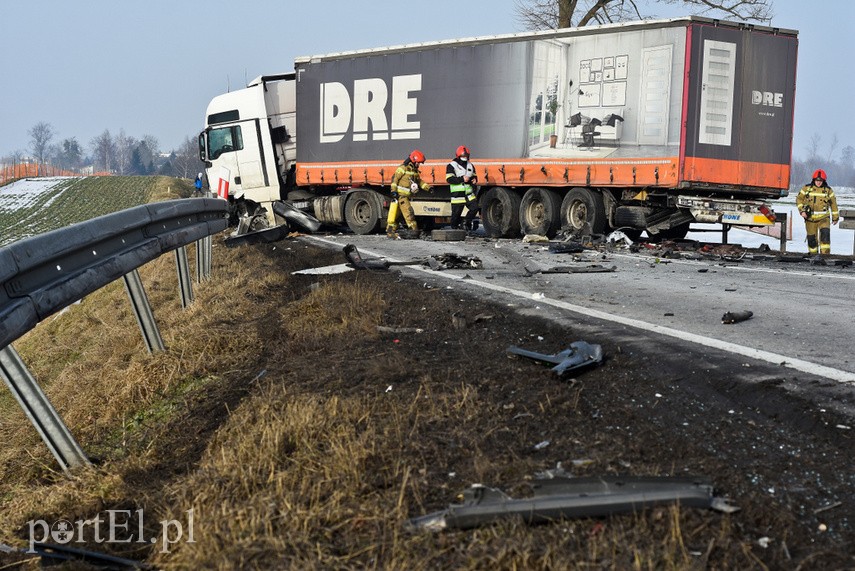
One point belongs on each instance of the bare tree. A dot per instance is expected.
(40, 137)
(124, 146)
(813, 147)
(186, 159)
(103, 151)
(546, 14)
(832, 146)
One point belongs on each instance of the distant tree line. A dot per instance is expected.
(120, 154)
(840, 170)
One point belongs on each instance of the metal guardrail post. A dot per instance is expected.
(38, 409)
(185, 286)
(203, 259)
(142, 311)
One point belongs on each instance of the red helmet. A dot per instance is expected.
(462, 150)
(819, 173)
(417, 156)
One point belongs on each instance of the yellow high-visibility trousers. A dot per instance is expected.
(401, 205)
(819, 236)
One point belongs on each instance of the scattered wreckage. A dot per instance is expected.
(580, 354)
(564, 497)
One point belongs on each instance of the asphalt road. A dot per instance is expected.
(801, 313)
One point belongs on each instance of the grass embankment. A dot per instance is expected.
(280, 472)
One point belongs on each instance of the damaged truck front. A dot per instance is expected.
(645, 126)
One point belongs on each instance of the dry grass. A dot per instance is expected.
(278, 474)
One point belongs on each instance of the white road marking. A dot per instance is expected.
(774, 358)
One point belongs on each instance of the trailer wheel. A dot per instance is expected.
(581, 207)
(363, 212)
(540, 212)
(500, 213)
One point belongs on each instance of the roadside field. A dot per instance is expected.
(33, 206)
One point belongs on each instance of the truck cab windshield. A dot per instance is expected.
(224, 140)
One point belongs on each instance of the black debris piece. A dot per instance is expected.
(355, 260)
(736, 316)
(449, 261)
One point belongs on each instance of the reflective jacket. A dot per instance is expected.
(816, 202)
(455, 171)
(404, 178)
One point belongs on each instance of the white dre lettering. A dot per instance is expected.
(367, 109)
(767, 98)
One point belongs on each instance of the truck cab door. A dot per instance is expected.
(237, 148)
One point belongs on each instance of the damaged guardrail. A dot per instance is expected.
(43, 274)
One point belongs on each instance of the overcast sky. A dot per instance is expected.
(151, 67)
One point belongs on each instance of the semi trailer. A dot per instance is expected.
(644, 126)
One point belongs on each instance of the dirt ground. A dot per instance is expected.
(782, 460)
(458, 411)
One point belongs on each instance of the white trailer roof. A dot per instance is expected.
(546, 34)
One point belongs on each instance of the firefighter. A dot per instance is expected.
(816, 203)
(460, 175)
(405, 182)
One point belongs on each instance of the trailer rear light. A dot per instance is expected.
(764, 210)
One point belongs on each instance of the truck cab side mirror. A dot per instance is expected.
(203, 146)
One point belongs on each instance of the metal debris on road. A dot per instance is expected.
(579, 354)
(355, 259)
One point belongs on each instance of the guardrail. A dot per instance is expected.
(43, 274)
(847, 222)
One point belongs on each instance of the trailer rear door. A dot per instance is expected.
(738, 108)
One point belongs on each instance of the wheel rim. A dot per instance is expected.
(362, 211)
(578, 215)
(495, 212)
(536, 214)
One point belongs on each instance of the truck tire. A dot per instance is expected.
(583, 207)
(363, 211)
(500, 213)
(540, 212)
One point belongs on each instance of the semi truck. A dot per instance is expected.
(645, 126)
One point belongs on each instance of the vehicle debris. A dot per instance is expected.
(736, 316)
(450, 261)
(534, 238)
(53, 554)
(260, 237)
(563, 497)
(355, 259)
(579, 354)
(617, 236)
(566, 248)
(324, 270)
(460, 321)
(386, 329)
